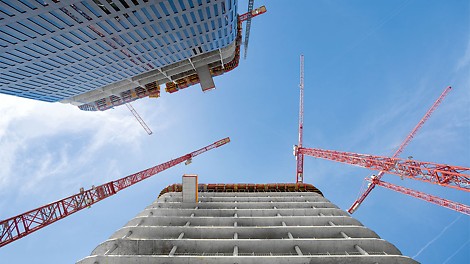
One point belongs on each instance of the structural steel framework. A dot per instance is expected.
(441, 174)
(19, 226)
(400, 149)
(299, 177)
(462, 208)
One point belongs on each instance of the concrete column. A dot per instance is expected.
(344, 234)
(235, 250)
(299, 252)
(127, 235)
(140, 222)
(284, 223)
(320, 214)
(187, 223)
(331, 223)
(235, 224)
(235, 235)
(289, 234)
(109, 251)
(173, 250)
(362, 251)
(190, 191)
(181, 235)
(205, 78)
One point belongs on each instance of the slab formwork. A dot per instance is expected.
(245, 223)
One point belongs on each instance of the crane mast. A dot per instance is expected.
(247, 17)
(248, 26)
(298, 155)
(400, 149)
(19, 226)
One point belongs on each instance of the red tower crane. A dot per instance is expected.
(139, 119)
(441, 174)
(256, 12)
(248, 26)
(247, 17)
(400, 149)
(446, 175)
(19, 226)
(298, 155)
(461, 208)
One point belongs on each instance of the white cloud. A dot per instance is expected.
(465, 60)
(382, 128)
(46, 167)
(8, 150)
(40, 143)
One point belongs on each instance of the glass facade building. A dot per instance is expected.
(84, 51)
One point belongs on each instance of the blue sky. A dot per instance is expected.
(372, 69)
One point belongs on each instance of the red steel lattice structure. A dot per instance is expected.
(258, 11)
(248, 26)
(19, 226)
(400, 149)
(462, 208)
(441, 174)
(139, 119)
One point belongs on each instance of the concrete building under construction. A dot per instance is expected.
(244, 223)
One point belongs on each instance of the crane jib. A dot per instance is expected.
(19, 226)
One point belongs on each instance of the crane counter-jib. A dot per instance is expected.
(214, 145)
